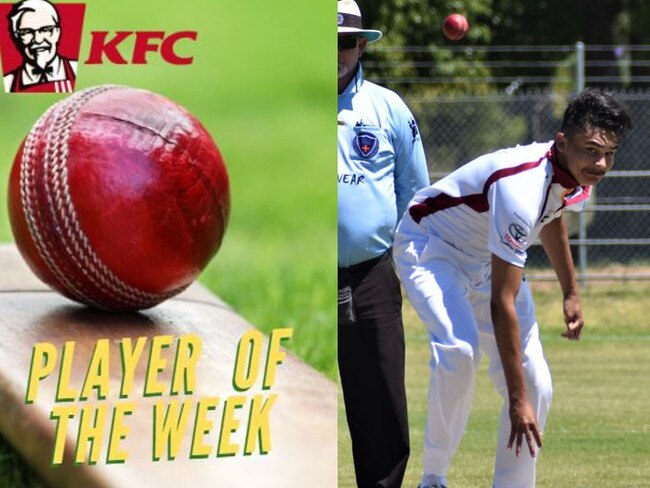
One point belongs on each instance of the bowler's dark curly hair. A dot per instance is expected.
(593, 108)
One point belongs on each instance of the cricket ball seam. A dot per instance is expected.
(75, 242)
(56, 141)
(98, 271)
(27, 193)
(61, 206)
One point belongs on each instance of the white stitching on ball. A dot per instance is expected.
(27, 192)
(75, 242)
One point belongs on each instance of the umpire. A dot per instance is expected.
(380, 166)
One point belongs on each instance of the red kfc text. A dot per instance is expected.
(104, 47)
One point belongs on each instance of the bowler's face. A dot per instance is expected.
(588, 154)
(39, 35)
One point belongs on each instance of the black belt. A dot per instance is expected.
(367, 264)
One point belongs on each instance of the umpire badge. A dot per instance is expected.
(365, 144)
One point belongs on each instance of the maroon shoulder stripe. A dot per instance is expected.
(476, 201)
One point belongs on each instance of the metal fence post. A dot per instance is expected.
(582, 221)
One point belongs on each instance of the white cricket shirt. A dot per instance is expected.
(499, 202)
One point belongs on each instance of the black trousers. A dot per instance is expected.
(371, 365)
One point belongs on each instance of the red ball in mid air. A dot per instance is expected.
(118, 198)
(455, 27)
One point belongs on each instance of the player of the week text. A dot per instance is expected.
(171, 415)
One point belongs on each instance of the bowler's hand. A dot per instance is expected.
(573, 318)
(524, 425)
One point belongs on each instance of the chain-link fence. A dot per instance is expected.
(611, 239)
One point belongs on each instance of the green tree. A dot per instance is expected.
(503, 23)
(414, 48)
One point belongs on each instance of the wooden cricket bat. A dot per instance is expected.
(227, 431)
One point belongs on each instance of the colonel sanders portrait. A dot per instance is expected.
(35, 29)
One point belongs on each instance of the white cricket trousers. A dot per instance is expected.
(451, 294)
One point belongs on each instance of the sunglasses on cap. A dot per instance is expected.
(348, 42)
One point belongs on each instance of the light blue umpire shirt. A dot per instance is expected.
(381, 165)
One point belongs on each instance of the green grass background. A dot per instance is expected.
(598, 432)
(262, 83)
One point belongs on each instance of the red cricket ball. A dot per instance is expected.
(118, 198)
(455, 27)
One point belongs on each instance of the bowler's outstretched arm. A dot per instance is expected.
(506, 279)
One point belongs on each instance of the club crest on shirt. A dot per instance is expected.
(365, 144)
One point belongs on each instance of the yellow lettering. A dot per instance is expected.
(63, 391)
(247, 362)
(98, 374)
(275, 355)
(119, 431)
(43, 362)
(130, 357)
(258, 425)
(169, 426)
(62, 414)
(91, 431)
(187, 354)
(202, 427)
(229, 424)
(157, 364)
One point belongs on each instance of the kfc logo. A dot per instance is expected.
(40, 45)
(40, 42)
(103, 46)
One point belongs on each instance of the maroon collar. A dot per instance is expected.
(559, 175)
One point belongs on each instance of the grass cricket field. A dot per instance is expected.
(598, 432)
